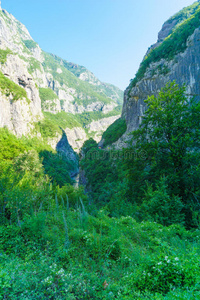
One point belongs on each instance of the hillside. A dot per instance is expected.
(175, 56)
(129, 227)
(52, 85)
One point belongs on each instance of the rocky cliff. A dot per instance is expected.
(33, 82)
(175, 56)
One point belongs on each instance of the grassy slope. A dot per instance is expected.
(51, 247)
(63, 252)
(70, 80)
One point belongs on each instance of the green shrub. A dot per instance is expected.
(163, 275)
(52, 124)
(114, 132)
(158, 206)
(47, 94)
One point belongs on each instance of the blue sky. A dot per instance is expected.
(108, 37)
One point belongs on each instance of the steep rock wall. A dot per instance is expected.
(184, 68)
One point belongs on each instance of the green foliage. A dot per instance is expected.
(175, 43)
(59, 242)
(8, 87)
(157, 179)
(3, 55)
(159, 207)
(47, 94)
(185, 13)
(106, 179)
(30, 44)
(170, 133)
(114, 131)
(33, 158)
(163, 275)
(57, 167)
(10, 145)
(51, 247)
(53, 123)
(106, 258)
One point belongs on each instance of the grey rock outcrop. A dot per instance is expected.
(76, 89)
(184, 68)
(76, 137)
(19, 115)
(100, 126)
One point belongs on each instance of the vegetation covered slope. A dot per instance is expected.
(120, 240)
(114, 132)
(86, 92)
(158, 177)
(176, 42)
(61, 88)
(106, 89)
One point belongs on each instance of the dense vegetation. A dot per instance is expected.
(175, 43)
(30, 44)
(47, 94)
(128, 237)
(157, 178)
(185, 13)
(52, 124)
(114, 132)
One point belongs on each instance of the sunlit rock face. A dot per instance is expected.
(76, 90)
(184, 68)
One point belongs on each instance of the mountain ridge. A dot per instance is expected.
(29, 67)
(175, 56)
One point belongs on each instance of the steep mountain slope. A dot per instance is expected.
(175, 56)
(33, 82)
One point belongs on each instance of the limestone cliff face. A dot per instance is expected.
(76, 89)
(18, 115)
(184, 68)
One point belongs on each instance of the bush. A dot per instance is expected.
(114, 132)
(163, 275)
(159, 207)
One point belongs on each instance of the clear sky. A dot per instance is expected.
(108, 37)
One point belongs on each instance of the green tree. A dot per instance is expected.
(169, 135)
